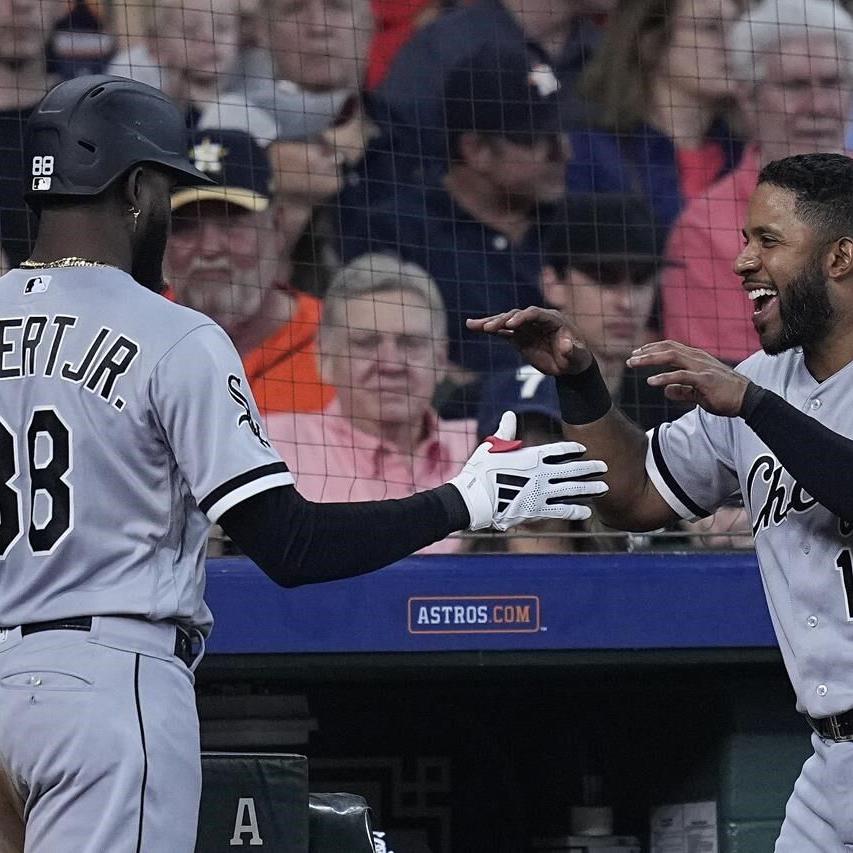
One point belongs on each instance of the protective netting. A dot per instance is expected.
(387, 169)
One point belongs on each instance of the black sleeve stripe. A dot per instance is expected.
(240, 480)
(670, 481)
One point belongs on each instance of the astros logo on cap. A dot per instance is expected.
(207, 156)
(543, 78)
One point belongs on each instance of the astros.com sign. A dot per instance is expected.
(474, 614)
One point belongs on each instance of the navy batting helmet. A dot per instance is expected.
(88, 131)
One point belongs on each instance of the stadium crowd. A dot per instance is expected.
(387, 168)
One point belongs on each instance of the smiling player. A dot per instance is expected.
(778, 430)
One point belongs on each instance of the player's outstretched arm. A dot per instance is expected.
(296, 541)
(548, 342)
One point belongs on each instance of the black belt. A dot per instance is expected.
(183, 641)
(838, 727)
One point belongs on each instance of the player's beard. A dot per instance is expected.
(805, 311)
(150, 248)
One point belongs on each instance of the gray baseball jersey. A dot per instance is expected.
(126, 428)
(805, 552)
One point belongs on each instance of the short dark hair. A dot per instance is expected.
(822, 185)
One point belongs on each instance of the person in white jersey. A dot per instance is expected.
(777, 429)
(126, 428)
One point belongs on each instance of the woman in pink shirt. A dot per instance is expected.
(661, 102)
(794, 66)
(383, 346)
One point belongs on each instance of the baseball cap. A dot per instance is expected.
(236, 163)
(503, 90)
(523, 390)
(604, 231)
(281, 111)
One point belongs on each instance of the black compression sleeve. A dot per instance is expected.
(584, 397)
(819, 459)
(296, 541)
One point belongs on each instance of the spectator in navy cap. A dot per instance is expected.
(314, 141)
(533, 398)
(562, 35)
(503, 118)
(601, 268)
(228, 257)
(528, 393)
(476, 230)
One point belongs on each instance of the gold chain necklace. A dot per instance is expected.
(61, 262)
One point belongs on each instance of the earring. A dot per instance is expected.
(134, 212)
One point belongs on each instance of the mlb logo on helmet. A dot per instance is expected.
(42, 169)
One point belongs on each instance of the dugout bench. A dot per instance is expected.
(262, 800)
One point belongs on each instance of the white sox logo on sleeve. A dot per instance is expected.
(234, 383)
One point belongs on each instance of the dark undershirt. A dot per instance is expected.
(820, 460)
(296, 541)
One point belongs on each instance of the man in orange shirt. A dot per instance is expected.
(228, 258)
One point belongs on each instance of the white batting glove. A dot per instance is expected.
(504, 483)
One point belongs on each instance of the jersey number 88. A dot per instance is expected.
(47, 436)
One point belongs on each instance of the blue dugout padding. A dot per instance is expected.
(498, 603)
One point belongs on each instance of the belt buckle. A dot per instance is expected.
(832, 728)
(835, 728)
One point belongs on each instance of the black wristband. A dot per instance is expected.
(457, 511)
(584, 397)
(751, 398)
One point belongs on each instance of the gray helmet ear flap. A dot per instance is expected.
(88, 131)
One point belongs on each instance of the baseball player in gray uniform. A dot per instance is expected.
(778, 430)
(126, 428)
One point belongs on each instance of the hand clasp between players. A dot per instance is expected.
(504, 484)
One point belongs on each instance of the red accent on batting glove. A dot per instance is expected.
(502, 445)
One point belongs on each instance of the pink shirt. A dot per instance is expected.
(333, 461)
(704, 304)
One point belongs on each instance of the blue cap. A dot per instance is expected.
(524, 391)
(502, 90)
(238, 166)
